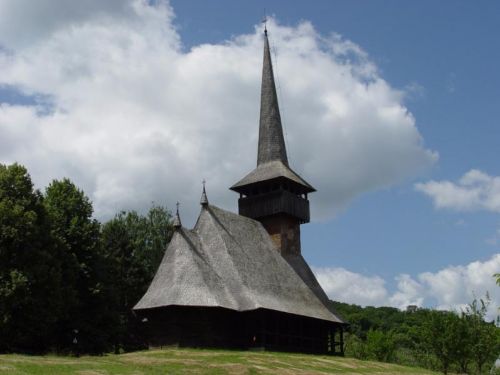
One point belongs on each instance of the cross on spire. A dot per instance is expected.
(177, 219)
(204, 198)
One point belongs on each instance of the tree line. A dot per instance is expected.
(459, 342)
(67, 282)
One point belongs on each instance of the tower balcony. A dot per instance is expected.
(273, 203)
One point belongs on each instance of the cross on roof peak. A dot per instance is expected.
(177, 219)
(204, 198)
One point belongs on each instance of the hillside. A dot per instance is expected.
(192, 361)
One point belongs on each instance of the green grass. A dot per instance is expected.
(196, 361)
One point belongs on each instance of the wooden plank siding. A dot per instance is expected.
(275, 202)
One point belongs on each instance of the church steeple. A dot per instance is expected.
(271, 141)
(273, 193)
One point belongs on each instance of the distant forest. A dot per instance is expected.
(68, 284)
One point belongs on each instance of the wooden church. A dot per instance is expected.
(240, 281)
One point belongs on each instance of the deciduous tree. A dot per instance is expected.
(133, 246)
(83, 276)
(30, 270)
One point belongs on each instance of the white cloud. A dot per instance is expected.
(346, 286)
(450, 288)
(409, 292)
(41, 18)
(131, 118)
(476, 190)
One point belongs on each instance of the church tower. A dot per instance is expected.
(273, 193)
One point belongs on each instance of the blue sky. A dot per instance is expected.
(441, 58)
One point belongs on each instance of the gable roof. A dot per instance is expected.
(230, 261)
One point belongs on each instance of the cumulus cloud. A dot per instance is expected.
(476, 190)
(43, 17)
(131, 118)
(346, 286)
(451, 288)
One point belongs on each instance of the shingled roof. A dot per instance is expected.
(230, 261)
(272, 160)
(271, 141)
(271, 170)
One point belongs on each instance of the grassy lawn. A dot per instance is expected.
(194, 361)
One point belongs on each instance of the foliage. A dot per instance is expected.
(133, 246)
(484, 336)
(66, 284)
(441, 337)
(85, 315)
(30, 271)
(380, 345)
(442, 340)
(355, 347)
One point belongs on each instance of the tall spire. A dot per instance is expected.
(271, 141)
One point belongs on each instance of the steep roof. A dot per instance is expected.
(272, 160)
(271, 141)
(269, 171)
(230, 261)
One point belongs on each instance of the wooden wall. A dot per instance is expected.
(222, 328)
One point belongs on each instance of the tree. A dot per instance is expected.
(133, 246)
(30, 270)
(355, 347)
(72, 225)
(485, 340)
(380, 345)
(464, 350)
(441, 336)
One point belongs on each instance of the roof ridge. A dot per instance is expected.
(215, 221)
(182, 247)
(183, 233)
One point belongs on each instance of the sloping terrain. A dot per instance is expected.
(193, 361)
